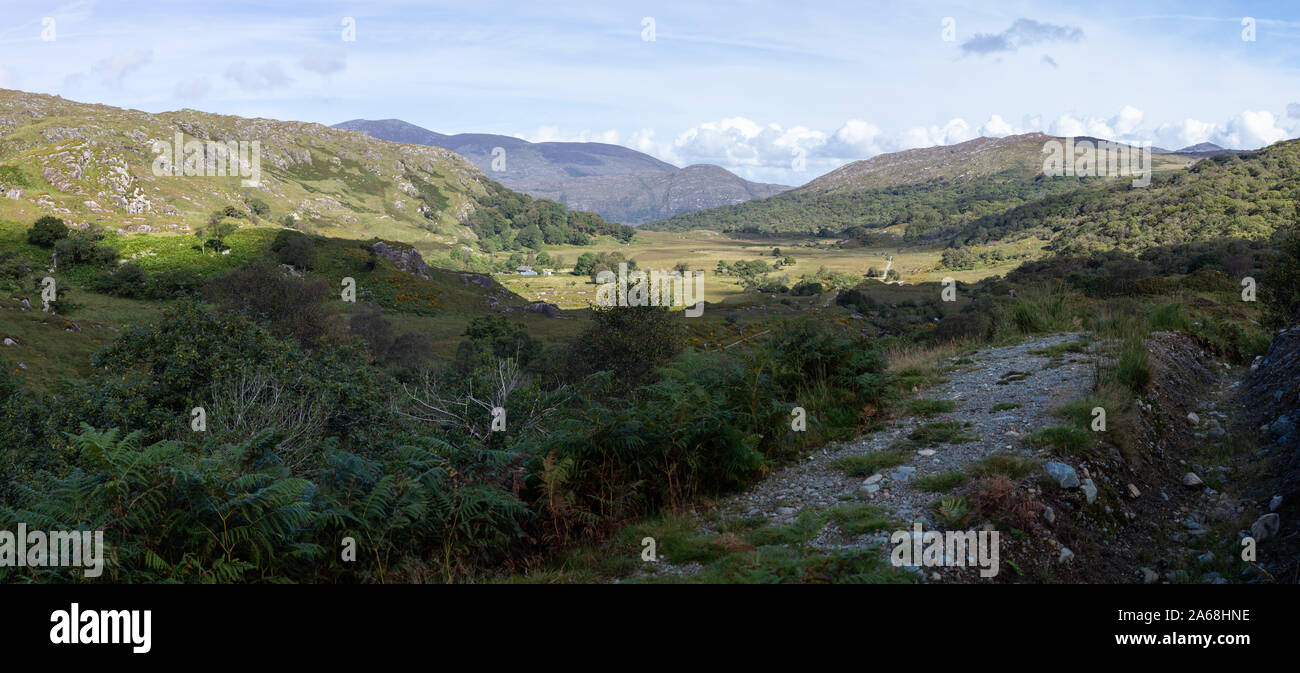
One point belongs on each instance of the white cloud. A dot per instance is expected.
(1127, 121)
(856, 138)
(324, 62)
(767, 152)
(997, 127)
(1068, 125)
(742, 142)
(1250, 129)
(113, 69)
(1183, 134)
(266, 76)
(955, 131)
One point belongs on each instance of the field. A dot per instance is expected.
(702, 249)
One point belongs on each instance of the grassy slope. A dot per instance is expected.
(93, 164)
(945, 185)
(51, 348)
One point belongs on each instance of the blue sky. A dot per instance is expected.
(775, 91)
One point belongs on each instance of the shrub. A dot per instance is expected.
(46, 231)
(175, 283)
(1133, 366)
(497, 337)
(295, 249)
(1014, 467)
(299, 308)
(807, 288)
(1172, 316)
(374, 330)
(411, 351)
(855, 299)
(129, 280)
(258, 206)
(630, 341)
(1062, 439)
(867, 464)
(81, 248)
(1000, 500)
(940, 483)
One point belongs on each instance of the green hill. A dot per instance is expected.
(925, 193)
(99, 165)
(1242, 195)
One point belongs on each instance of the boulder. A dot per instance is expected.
(1266, 526)
(1064, 475)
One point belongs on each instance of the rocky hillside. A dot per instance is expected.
(1019, 156)
(619, 184)
(1271, 395)
(95, 164)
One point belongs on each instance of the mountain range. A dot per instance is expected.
(618, 183)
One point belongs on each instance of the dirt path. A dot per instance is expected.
(1012, 375)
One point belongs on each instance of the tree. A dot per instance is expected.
(530, 237)
(46, 231)
(583, 266)
(631, 341)
(214, 233)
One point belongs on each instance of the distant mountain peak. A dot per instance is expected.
(1202, 147)
(616, 182)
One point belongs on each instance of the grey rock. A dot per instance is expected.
(903, 473)
(1064, 475)
(1266, 526)
(1282, 427)
(1150, 576)
(1193, 418)
(1089, 491)
(1275, 503)
(1066, 555)
(1190, 479)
